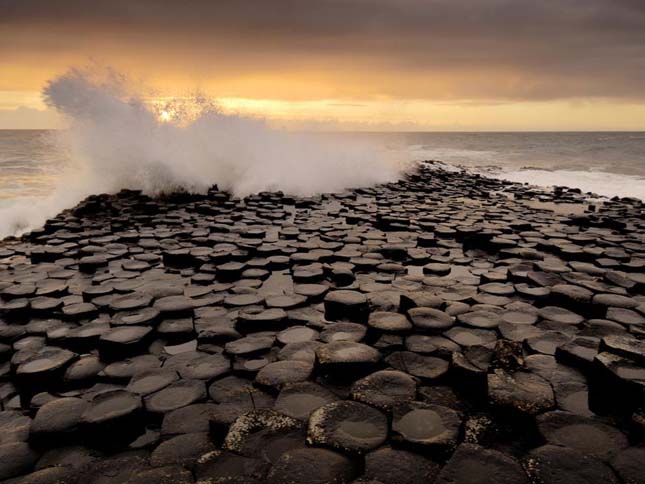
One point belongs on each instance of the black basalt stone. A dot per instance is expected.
(346, 305)
(473, 464)
(350, 427)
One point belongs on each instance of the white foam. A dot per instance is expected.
(601, 183)
(116, 141)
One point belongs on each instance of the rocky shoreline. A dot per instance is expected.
(446, 328)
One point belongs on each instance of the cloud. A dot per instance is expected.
(435, 49)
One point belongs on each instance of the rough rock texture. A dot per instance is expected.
(447, 326)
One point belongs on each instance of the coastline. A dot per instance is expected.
(190, 332)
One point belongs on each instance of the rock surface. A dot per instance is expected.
(445, 328)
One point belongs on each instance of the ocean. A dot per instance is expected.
(33, 164)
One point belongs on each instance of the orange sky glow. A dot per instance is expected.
(341, 64)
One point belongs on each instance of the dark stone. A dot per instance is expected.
(346, 305)
(472, 464)
(432, 428)
(15, 459)
(346, 360)
(312, 466)
(58, 419)
(348, 426)
(583, 434)
(552, 464)
(523, 392)
(383, 389)
(175, 395)
(182, 449)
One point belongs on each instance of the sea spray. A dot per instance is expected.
(119, 139)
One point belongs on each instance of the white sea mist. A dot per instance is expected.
(118, 139)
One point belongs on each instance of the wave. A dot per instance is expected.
(118, 139)
(598, 182)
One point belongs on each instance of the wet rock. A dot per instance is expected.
(299, 400)
(151, 381)
(389, 322)
(14, 427)
(122, 342)
(523, 392)
(430, 319)
(175, 395)
(277, 374)
(188, 420)
(427, 368)
(579, 352)
(347, 426)
(58, 419)
(172, 474)
(264, 433)
(312, 465)
(343, 332)
(628, 464)
(183, 449)
(473, 464)
(583, 434)
(432, 428)
(347, 360)
(346, 305)
(112, 417)
(15, 459)
(393, 466)
(217, 466)
(552, 464)
(383, 389)
(43, 370)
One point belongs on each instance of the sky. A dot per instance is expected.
(397, 65)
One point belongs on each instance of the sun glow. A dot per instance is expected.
(165, 116)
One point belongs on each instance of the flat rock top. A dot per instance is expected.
(444, 328)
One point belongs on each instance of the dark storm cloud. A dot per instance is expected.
(541, 49)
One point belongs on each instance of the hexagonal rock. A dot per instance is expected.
(257, 426)
(521, 391)
(227, 467)
(14, 427)
(581, 433)
(620, 382)
(175, 395)
(44, 369)
(175, 305)
(57, 419)
(628, 464)
(299, 400)
(347, 360)
(182, 449)
(347, 426)
(312, 466)
(423, 367)
(124, 341)
(16, 458)
(385, 388)
(387, 465)
(277, 374)
(430, 319)
(112, 416)
(431, 427)
(187, 420)
(346, 305)
(551, 464)
(626, 346)
(472, 464)
(389, 322)
(150, 381)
